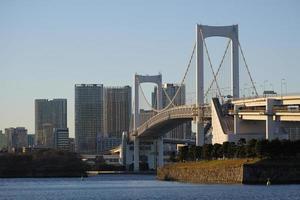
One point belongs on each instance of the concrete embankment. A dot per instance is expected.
(232, 171)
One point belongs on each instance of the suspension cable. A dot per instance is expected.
(220, 65)
(177, 91)
(183, 79)
(247, 67)
(148, 103)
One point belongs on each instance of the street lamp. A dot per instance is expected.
(281, 83)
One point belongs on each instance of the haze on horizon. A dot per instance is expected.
(46, 47)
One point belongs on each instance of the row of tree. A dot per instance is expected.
(42, 163)
(242, 149)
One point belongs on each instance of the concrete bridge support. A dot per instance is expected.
(270, 123)
(160, 152)
(136, 154)
(236, 120)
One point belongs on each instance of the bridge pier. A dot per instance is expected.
(136, 154)
(270, 123)
(199, 132)
(160, 152)
(236, 120)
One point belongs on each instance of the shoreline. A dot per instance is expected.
(234, 171)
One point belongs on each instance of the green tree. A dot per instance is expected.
(261, 148)
(274, 149)
(192, 152)
(198, 152)
(250, 148)
(207, 151)
(183, 153)
(217, 151)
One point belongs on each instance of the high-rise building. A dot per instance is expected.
(31, 140)
(49, 112)
(88, 117)
(3, 140)
(71, 144)
(61, 139)
(16, 138)
(182, 131)
(117, 110)
(48, 136)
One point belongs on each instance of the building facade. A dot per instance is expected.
(16, 138)
(3, 140)
(88, 117)
(117, 110)
(61, 139)
(49, 113)
(31, 140)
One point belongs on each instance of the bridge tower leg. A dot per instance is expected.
(235, 88)
(136, 153)
(199, 85)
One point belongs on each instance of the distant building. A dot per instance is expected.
(117, 110)
(49, 113)
(105, 144)
(31, 140)
(183, 131)
(71, 144)
(144, 115)
(88, 117)
(48, 136)
(61, 139)
(3, 140)
(16, 138)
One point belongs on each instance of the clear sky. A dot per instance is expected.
(48, 46)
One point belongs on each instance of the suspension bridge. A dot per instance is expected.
(167, 117)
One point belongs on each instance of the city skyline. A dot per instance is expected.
(48, 56)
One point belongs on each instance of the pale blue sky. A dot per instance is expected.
(48, 46)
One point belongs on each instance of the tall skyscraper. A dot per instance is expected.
(16, 138)
(117, 110)
(88, 117)
(183, 131)
(49, 113)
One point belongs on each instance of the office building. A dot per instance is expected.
(61, 139)
(49, 113)
(183, 131)
(107, 143)
(88, 117)
(117, 110)
(31, 140)
(3, 140)
(48, 136)
(16, 138)
(71, 144)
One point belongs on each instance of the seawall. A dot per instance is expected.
(232, 172)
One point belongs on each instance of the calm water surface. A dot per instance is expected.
(136, 187)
